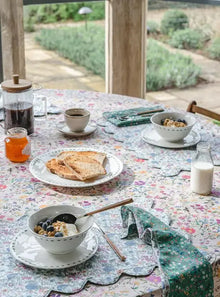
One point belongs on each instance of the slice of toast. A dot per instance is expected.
(60, 170)
(84, 167)
(100, 157)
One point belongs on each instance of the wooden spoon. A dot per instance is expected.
(71, 219)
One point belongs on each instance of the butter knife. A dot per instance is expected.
(111, 243)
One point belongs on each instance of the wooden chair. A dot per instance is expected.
(194, 108)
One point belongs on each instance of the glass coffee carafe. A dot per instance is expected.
(18, 104)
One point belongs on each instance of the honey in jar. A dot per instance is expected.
(17, 145)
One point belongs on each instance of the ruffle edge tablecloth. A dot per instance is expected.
(103, 268)
(182, 264)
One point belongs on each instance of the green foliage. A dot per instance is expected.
(83, 47)
(174, 20)
(206, 32)
(51, 13)
(98, 11)
(187, 39)
(161, 4)
(87, 48)
(152, 27)
(28, 20)
(214, 49)
(166, 70)
(29, 25)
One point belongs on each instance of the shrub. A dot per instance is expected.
(152, 27)
(28, 21)
(206, 31)
(81, 46)
(29, 25)
(161, 4)
(214, 49)
(174, 20)
(86, 47)
(187, 38)
(50, 13)
(166, 70)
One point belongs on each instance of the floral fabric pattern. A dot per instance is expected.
(167, 197)
(171, 162)
(188, 271)
(103, 268)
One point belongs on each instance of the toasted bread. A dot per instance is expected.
(60, 170)
(51, 165)
(84, 167)
(100, 157)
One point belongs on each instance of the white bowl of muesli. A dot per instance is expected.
(59, 236)
(173, 126)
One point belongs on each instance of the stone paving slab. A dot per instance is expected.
(52, 71)
(206, 95)
(70, 84)
(162, 96)
(179, 103)
(210, 69)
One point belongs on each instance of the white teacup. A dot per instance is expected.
(76, 119)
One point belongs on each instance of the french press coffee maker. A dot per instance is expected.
(18, 104)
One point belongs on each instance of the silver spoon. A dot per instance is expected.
(143, 113)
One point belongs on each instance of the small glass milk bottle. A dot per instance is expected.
(202, 169)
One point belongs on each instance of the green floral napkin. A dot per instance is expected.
(129, 116)
(188, 272)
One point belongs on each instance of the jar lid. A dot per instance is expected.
(16, 85)
(17, 132)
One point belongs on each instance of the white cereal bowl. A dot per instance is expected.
(60, 245)
(172, 134)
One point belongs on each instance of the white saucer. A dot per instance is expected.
(26, 250)
(90, 128)
(151, 136)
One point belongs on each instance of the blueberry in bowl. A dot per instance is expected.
(59, 237)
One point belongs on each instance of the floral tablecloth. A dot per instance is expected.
(195, 215)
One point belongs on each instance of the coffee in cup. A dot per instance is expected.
(76, 119)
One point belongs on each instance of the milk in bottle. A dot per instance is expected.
(202, 169)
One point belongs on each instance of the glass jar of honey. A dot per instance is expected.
(17, 145)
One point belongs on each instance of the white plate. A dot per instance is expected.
(26, 250)
(62, 127)
(37, 167)
(151, 136)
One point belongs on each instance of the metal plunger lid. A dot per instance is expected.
(16, 85)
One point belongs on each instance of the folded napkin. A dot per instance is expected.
(133, 119)
(188, 272)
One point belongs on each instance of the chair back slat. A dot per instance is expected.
(194, 108)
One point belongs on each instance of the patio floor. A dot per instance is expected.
(52, 71)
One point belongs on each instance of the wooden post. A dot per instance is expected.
(12, 30)
(126, 47)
